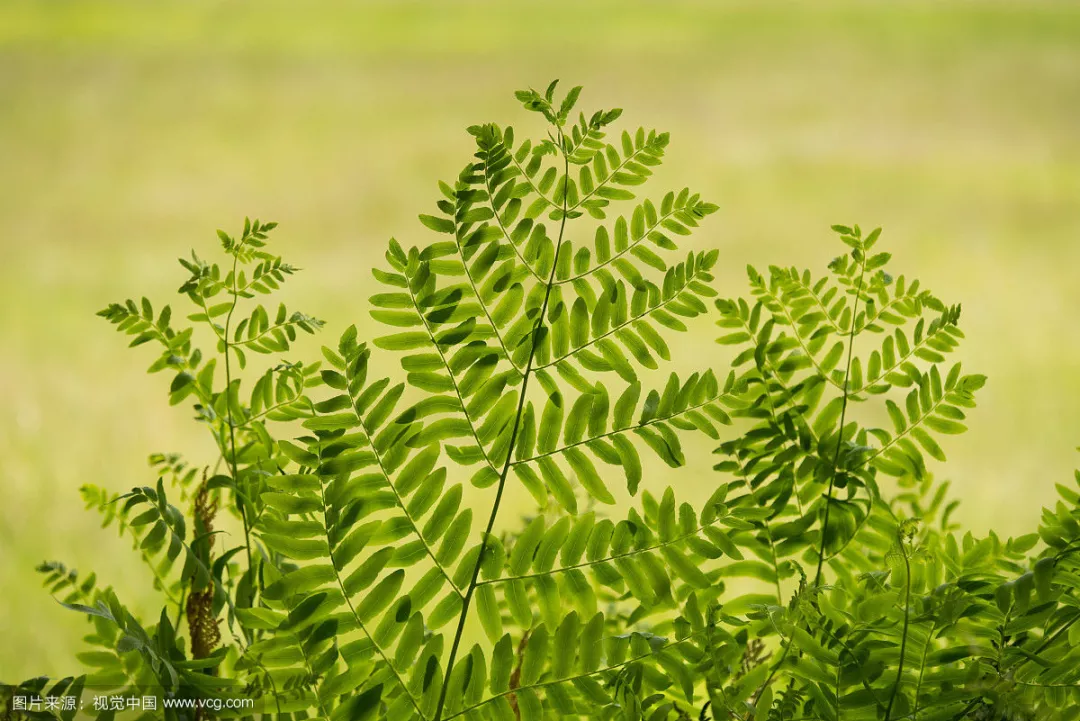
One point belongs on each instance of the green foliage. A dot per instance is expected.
(378, 578)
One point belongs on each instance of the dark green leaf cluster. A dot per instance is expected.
(380, 576)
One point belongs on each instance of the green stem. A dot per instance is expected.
(843, 419)
(836, 460)
(629, 321)
(619, 431)
(904, 638)
(180, 609)
(473, 581)
(352, 609)
(922, 669)
(229, 415)
(606, 559)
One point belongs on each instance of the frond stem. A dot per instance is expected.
(229, 415)
(605, 559)
(466, 603)
(922, 668)
(401, 501)
(623, 252)
(611, 175)
(618, 431)
(356, 617)
(630, 321)
(449, 370)
(904, 637)
(843, 419)
(836, 460)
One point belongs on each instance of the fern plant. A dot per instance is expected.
(374, 572)
(880, 609)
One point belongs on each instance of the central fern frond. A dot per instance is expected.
(526, 351)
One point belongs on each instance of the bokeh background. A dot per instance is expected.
(129, 131)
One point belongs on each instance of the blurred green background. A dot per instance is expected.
(129, 131)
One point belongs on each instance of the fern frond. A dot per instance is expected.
(572, 669)
(58, 578)
(115, 513)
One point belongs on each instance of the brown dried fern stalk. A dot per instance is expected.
(203, 623)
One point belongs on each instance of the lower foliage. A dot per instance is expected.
(377, 578)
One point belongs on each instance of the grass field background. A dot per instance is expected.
(130, 131)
